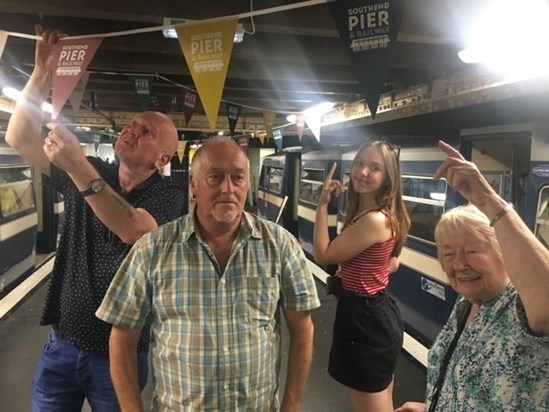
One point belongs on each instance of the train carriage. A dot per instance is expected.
(278, 188)
(18, 220)
(315, 166)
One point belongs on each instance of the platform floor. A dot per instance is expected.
(21, 341)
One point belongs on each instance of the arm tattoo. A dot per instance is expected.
(125, 205)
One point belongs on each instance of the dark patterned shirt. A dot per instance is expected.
(497, 365)
(89, 254)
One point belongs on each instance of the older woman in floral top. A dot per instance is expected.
(500, 361)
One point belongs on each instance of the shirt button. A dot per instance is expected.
(226, 349)
(226, 386)
(223, 281)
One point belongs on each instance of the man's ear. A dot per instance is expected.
(193, 186)
(162, 160)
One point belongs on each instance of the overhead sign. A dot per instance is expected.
(368, 29)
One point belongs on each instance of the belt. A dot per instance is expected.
(350, 297)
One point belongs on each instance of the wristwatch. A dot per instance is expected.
(97, 186)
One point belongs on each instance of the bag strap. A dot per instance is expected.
(442, 372)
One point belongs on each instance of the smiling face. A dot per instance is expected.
(368, 172)
(473, 268)
(220, 181)
(470, 255)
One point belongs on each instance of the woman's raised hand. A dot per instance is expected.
(331, 187)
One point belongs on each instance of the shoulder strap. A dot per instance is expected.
(442, 372)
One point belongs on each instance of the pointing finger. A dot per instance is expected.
(449, 150)
(331, 172)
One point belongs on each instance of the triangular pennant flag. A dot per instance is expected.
(70, 60)
(78, 93)
(277, 137)
(189, 103)
(269, 123)
(313, 121)
(243, 143)
(300, 124)
(262, 138)
(3, 39)
(181, 145)
(143, 88)
(368, 29)
(233, 113)
(207, 49)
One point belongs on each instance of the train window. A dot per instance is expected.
(275, 179)
(345, 184)
(311, 185)
(542, 217)
(424, 199)
(16, 193)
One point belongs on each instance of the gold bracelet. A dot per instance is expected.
(508, 207)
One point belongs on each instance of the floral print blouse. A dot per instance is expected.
(497, 365)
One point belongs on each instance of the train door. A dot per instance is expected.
(503, 155)
(420, 286)
(18, 220)
(315, 166)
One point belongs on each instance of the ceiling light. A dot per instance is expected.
(170, 33)
(291, 118)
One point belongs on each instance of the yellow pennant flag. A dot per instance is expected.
(3, 39)
(207, 49)
(261, 137)
(181, 145)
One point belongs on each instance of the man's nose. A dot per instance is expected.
(227, 185)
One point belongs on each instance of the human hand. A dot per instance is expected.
(464, 177)
(411, 407)
(63, 148)
(44, 47)
(331, 187)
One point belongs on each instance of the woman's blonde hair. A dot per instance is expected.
(466, 222)
(389, 196)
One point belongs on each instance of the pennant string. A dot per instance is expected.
(249, 14)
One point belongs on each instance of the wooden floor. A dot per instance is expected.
(21, 341)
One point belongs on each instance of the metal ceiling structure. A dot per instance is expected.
(293, 60)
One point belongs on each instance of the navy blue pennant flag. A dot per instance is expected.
(233, 113)
(368, 29)
(143, 89)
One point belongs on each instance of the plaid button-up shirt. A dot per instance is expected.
(215, 335)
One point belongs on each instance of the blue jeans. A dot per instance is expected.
(66, 375)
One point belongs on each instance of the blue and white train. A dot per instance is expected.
(514, 159)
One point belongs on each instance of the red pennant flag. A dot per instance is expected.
(70, 61)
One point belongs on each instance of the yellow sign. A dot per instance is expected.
(207, 49)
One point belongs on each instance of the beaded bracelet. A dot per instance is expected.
(508, 207)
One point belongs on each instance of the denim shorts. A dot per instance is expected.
(366, 342)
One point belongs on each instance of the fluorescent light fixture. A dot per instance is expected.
(319, 109)
(170, 33)
(15, 94)
(291, 118)
(239, 34)
(516, 53)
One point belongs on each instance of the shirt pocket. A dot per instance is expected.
(260, 297)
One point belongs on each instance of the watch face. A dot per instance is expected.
(97, 185)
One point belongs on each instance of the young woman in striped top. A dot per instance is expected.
(368, 328)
